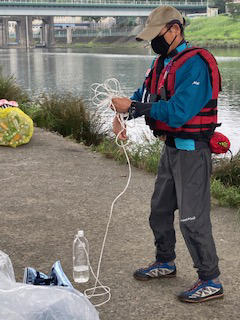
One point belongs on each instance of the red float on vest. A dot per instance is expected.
(202, 126)
(219, 143)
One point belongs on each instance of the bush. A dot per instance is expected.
(66, 113)
(228, 172)
(234, 9)
(225, 184)
(10, 90)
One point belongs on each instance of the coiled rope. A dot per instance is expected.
(102, 99)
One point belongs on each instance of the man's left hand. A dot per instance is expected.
(121, 104)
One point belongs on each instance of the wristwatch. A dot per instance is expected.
(132, 110)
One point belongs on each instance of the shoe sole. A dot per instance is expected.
(152, 278)
(219, 296)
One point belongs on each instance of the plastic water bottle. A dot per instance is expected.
(80, 258)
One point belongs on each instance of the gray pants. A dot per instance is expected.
(183, 182)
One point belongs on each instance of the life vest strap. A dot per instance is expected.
(207, 113)
(201, 126)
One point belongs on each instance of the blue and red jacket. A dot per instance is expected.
(180, 98)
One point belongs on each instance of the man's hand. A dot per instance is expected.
(163, 137)
(117, 128)
(121, 104)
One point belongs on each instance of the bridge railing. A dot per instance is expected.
(117, 2)
(92, 33)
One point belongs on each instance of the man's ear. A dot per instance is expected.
(176, 29)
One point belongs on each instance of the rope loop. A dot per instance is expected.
(102, 99)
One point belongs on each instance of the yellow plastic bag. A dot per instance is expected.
(16, 127)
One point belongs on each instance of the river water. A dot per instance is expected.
(76, 69)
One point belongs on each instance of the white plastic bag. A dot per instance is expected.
(6, 269)
(20, 301)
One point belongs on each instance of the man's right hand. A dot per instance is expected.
(118, 128)
(163, 137)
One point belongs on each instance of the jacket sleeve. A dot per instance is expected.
(193, 90)
(137, 96)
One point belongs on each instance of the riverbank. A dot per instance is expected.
(217, 32)
(63, 186)
(93, 42)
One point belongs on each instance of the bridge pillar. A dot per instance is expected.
(4, 33)
(22, 31)
(48, 31)
(43, 33)
(30, 31)
(69, 35)
(18, 32)
(41, 40)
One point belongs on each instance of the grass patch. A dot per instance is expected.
(219, 31)
(225, 184)
(145, 156)
(226, 196)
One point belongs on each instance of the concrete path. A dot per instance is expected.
(52, 187)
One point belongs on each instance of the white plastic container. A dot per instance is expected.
(80, 258)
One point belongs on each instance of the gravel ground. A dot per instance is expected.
(52, 187)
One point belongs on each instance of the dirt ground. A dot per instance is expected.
(53, 187)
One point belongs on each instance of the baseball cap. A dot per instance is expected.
(157, 20)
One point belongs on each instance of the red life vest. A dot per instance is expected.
(201, 126)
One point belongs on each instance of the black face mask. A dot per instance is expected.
(160, 45)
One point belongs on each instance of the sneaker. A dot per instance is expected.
(202, 291)
(32, 276)
(59, 277)
(156, 270)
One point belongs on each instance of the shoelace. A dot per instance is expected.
(151, 264)
(196, 284)
(155, 263)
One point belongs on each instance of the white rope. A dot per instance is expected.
(103, 95)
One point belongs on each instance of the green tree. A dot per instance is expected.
(234, 9)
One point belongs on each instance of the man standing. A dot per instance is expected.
(179, 102)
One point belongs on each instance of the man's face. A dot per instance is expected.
(165, 41)
(170, 32)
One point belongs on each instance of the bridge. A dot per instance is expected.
(102, 8)
(23, 12)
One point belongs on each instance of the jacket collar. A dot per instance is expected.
(182, 46)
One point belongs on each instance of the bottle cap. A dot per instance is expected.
(80, 233)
